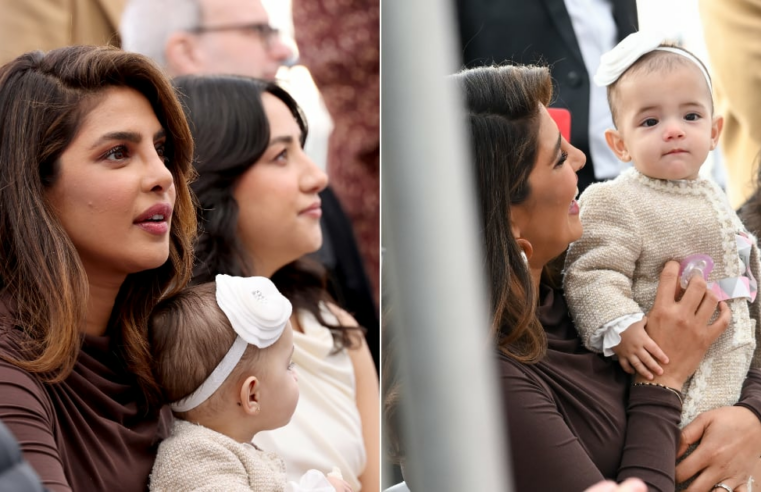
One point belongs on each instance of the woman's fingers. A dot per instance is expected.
(668, 285)
(691, 434)
(707, 306)
(722, 322)
(727, 448)
(695, 294)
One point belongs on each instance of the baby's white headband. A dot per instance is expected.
(615, 62)
(258, 313)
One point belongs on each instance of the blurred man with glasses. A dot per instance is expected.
(205, 36)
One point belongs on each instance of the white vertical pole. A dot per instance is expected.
(433, 267)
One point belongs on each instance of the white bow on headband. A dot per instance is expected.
(616, 61)
(258, 313)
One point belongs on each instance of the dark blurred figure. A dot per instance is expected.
(44, 25)
(569, 36)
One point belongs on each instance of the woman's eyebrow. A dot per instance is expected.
(133, 137)
(286, 139)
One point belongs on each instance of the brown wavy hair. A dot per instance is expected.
(503, 111)
(44, 98)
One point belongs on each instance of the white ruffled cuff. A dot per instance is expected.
(311, 481)
(609, 334)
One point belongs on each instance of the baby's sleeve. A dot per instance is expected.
(600, 266)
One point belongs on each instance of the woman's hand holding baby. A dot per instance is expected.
(682, 328)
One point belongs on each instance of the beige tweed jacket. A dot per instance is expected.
(195, 458)
(632, 226)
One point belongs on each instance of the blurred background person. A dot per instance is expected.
(731, 30)
(46, 24)
(205, 36)
(235, 37)
(569, 36)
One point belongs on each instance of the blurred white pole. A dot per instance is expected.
(453, 420)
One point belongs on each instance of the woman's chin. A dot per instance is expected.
(149, 262)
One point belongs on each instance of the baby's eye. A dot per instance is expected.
(650, 122)
(692, 117)
(291, 365)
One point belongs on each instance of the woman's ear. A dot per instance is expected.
(249, 396)
(523, 244)
(617, 145)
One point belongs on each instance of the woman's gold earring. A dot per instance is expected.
(526, 249)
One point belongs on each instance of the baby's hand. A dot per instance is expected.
(638, 352)
(339, 484)
(336, 480)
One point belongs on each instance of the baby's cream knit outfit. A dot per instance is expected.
(632, 226)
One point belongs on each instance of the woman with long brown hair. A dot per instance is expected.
(97, 224)
(573, 417)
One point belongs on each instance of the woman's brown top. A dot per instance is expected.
(86, 433)
(574, 418)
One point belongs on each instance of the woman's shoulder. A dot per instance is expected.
(11, 346)
(512, 372)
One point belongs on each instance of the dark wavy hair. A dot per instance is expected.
(44, 98)
(503, 111)
(231, 133)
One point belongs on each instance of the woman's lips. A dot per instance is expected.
(314, 211)
(157, 228)
(574, 208)
(155, 220)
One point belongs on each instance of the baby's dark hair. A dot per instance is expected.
(189, 336)
(654, 61)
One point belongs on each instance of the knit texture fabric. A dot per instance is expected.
(195, 458)
(633, 225)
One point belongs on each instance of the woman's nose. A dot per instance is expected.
(314, 178)
(578, 158)
(158, 176)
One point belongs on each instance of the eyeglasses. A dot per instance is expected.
(267, 33)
